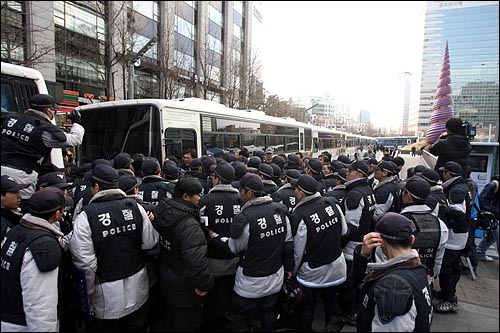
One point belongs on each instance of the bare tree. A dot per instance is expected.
(14, 33)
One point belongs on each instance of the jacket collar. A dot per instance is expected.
(108, 194)
(307, 199)
(224, 188)
(44, 224)
(256, 202)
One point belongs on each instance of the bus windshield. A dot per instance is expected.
(112, 130)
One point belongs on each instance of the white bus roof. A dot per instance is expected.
(26, 72)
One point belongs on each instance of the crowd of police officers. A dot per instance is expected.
(231, 242)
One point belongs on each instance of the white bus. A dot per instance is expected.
(158, 128)
(19, 84)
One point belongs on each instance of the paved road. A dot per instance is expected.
(478, 300)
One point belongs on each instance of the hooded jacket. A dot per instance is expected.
(452, 147)
(183, 256)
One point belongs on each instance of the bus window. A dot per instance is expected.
(112, 130)
(187, 138)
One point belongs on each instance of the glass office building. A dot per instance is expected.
(471, 30)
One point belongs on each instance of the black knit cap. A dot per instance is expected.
(47, 200)
(56, 179)
(122, 161)
(170, 169)
(431, 176)
(105, 174)
(314, 164)
(306, 184)
(359, 166)
(128, 182)
(150, 166)
(265, 170)
(292, 174)
(42, 101)
(252, 182)
(225, 172)
(452, 167)
(10, 185)
(394, 226)
(239, 168)
(418, 188)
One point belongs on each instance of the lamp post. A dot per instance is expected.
(309, 108)
(136, 62)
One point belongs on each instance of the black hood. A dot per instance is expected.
(175, 210)
(458, 141)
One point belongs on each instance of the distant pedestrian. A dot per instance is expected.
(413, 151)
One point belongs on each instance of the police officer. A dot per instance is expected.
(262, 232)
(265, 171)
(28, 139)
(455, 215)
(319, 262)
(338, 192)
(123, 163)
(31, 256)
(117, 280)
(170, 172)
(153, 188)
(395, 294)
(184, 275)
(220, 206)
(314, 168)
(386, 191)
(359, 206)
(432, 234)
(11, 199)
(286, 193)
(437, 196)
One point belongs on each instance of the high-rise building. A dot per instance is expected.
(471, 29)
(406, 79)
(185, 48)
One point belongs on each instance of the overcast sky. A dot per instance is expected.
(353, 50)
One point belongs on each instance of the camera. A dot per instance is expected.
(468, 130)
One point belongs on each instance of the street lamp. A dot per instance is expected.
(305, 111)
(136, 62)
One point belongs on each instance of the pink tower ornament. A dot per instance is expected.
(441, 109)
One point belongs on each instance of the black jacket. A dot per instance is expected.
(183, 256)
(453, 147)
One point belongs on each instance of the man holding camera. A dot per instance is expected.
(453, 146)
(28, 139)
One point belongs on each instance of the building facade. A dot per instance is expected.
(406, 81)
(471, 29)
(170, 49)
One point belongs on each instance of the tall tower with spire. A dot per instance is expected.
(441, 109)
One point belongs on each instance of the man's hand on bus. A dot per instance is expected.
(75, 116)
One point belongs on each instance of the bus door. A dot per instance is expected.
(182, 132)
(301, 139)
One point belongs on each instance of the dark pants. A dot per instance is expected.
(135, 322)
(183, 319)
(347, 293)
(471, 244)
(307, 305)
(217, 303)
(450, 274)
(241, 308)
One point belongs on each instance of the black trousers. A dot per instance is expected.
(183, 319)
(347, 294)
(450, 274)
(307, 304)
(135, 322)
(217, 303)
(241, 308)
